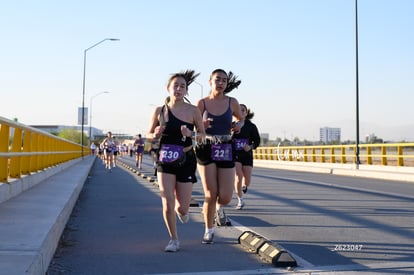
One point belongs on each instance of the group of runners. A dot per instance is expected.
(215, 138)
(109, 149)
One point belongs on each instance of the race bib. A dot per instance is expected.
(170, 153)
(221, 152)
(239, 143)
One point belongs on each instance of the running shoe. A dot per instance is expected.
(221, 218)
(240, 205)
(244, 189)
(183, 218)
(173, 246)
(208, 238)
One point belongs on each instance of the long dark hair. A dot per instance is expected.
(232, 81)
(189, 77)
(250, 114)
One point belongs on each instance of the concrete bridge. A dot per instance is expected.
(62, 213)
(368, 212)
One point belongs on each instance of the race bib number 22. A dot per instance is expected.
(221, 152)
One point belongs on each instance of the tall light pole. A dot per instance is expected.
(357, 160)
(90, 114)
(83, 86)
(201, 86)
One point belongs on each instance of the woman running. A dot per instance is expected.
(215, 157)
(244, 143)
(173, 123)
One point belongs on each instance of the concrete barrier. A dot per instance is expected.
(16, 186)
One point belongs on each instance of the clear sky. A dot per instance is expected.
(296, 60)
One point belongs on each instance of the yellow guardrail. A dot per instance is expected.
(393, 154)
(25, 150)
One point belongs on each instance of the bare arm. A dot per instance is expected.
(235, 107)
(200, 106)
(202, 109)
(154, 123)
(198, 121)
(103, 142)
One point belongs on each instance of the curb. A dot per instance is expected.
(28, 243)
(148, 176)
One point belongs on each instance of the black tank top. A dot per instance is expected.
(172, 133)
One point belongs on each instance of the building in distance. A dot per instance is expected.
(329, 135)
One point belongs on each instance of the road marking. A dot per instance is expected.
(324, 270)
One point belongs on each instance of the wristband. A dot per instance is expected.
(239, 123)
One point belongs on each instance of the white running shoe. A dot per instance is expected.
(240, 205)
(172, 246)
(208, 238)
(221, 218)
(183, 218)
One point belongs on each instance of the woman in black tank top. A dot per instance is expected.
(173, 124)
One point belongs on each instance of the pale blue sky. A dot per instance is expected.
(296, 60)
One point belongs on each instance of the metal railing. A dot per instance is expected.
(25, 150)
(392, 154)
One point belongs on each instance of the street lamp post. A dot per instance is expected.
(201, 86)
(83, 86)
(90, 114)
(357, 160)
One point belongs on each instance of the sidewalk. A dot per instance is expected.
(31, 223)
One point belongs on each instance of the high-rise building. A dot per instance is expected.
(329, 135)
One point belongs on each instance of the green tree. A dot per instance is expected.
(73, 135)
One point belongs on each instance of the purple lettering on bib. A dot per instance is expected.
(239, 143)
(221, 152)
(170, 152)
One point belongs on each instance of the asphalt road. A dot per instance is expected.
(329, 224)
